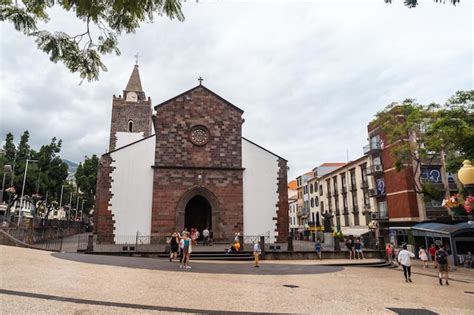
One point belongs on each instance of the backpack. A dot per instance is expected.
(442, 257)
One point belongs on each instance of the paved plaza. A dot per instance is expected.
(40, 282)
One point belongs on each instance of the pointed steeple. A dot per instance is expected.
(134, 84)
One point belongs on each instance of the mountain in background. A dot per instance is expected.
(72, 167)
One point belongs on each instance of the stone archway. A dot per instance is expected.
(196, 193)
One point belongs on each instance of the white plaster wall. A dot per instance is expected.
(124, 138)
(132, 188)
(260, 181)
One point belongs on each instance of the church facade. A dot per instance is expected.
(186, 166)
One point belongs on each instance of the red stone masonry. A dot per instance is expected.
(122, 111)
(103, 218)
(282, 218)
(183, 168)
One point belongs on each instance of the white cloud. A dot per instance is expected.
(309, 75)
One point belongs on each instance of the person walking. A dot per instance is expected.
(423, 256)
(257, 250)
(404, 259)
(389, 252)
(317, 248)
(432, 252)
(205, 235)
(187, 249)
(443, 265)
(174, 246)
(358, 249)
(350, 248)
(211, 237)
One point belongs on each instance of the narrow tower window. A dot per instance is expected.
(130, 126)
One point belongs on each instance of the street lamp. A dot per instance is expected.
(466, 177)
(23, 190)
(61, 198)
(6, 169)
(82, 208)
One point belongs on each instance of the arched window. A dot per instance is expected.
(130, 126)
(311, 188)
(312, 202)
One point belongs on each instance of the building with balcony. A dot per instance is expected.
(293, 207)
(344, 192)
(400, 205)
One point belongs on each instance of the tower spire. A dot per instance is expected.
(134, 84)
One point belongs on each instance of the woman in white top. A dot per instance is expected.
(404, 259)
(423, 256)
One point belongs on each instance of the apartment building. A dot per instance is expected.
(399, 205)
(344, 192)
(292, 207)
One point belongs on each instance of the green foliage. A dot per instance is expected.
(414, 3)
(104, 22)
(421, 133)
(45, 175)
(86, 178)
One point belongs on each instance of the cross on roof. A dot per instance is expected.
(200, 80)
(136, 58)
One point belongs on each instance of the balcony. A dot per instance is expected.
(352, 186)
(372, 148)
(374, 193)
(374, 170)
(364, 184)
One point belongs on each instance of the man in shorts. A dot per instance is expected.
(443, 264)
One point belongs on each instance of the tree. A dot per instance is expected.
(86, 178)
(44, 178)
(414, 3)
(104, 22)
(420, 134)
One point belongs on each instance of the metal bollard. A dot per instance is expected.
(90, 243)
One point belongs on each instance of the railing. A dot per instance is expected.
(352, 186)
(355, 209)
(372, 147)
(375, 193)
(364, 183)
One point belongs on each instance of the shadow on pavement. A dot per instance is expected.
(411, 311)
(266, 268)
(118, 304)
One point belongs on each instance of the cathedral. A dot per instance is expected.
(183, 165)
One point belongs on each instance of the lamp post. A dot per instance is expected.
(23, 190)
(77, 207)
(6, 169)
(466, 177)
(61, 198)
(82, 208)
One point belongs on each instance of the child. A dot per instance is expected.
(317, 248)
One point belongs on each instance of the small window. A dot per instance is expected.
(130, 126)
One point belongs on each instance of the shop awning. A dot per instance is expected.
(440, 228)
(354, 231)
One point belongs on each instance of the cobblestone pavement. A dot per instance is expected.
(39, 282)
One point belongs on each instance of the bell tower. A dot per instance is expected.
(131, 114)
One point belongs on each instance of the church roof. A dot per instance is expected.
(195, 88)
(134, 83)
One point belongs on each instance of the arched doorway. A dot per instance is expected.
(198, 214)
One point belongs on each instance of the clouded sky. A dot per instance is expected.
(309, 75)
